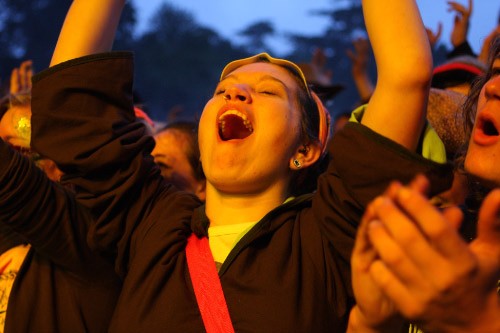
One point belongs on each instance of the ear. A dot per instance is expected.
(305, 155)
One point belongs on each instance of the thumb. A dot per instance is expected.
(488, 226)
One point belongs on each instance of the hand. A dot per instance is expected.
(359, 59)
(360, 56)
(434, 37)
(20, 78)
(374, 310)
(485, 49)
(460, 23)
(318, 64)
(430, 274)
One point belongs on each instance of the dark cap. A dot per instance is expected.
(319, 82)
(456, 71)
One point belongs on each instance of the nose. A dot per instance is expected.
(238, 93)
(492, 87)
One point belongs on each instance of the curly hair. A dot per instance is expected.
(469, 109)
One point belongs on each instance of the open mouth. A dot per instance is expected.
(489, 128)
(234, 125)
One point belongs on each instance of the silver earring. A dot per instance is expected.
(297, 164)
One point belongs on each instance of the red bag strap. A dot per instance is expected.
(207, 287)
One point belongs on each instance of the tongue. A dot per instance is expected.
(234, 128)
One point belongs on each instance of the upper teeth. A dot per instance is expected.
(246, 122)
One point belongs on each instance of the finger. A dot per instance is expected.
(451, 5)
(14, 81)
(420, 184)
(460, 9)
(361, 235)
(25, 74)
(488, 227)
(411, 288)
(409, 238)
(470, 7)
(363, 253)
(457, 8)
(410, 302)
(399, 293)
(454, 216)
(392, 190)
(439, 30)
(28, 68)
(393, 255)
(440, 232)
(25, 65)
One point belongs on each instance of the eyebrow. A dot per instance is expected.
(266, 77)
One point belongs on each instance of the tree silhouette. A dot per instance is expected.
(346, 23)
(29, 30)
(178, 63)
(256, 34)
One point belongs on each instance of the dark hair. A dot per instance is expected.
(190, 131)
(305, 180)
(478, 191)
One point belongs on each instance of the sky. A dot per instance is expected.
(228, 17)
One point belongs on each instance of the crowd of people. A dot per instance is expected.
(260, 217)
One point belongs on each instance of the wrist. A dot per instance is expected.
(486, 320)
(358, 323)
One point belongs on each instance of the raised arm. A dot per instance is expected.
(94, 23)
(359, 70)
(404, 67)
(460, 23)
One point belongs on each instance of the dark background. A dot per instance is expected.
(178, 61)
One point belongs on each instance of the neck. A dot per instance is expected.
(229, 208)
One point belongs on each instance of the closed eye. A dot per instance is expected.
(266, 92)
(163, 165)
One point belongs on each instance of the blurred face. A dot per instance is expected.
(170, 153)
(463, 88)
(483, 156)
(15, 127)
(249, 130)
